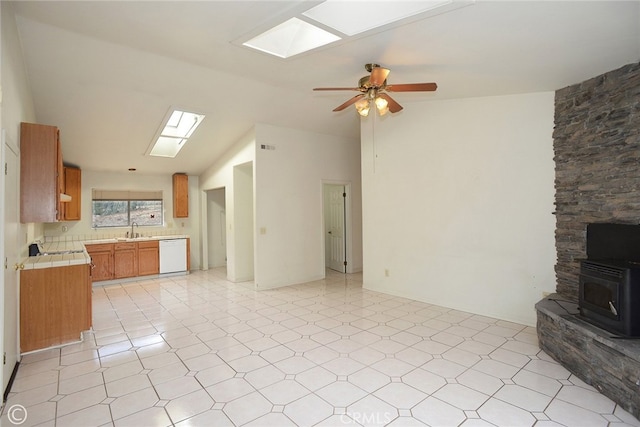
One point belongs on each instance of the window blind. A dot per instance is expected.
(125, 195)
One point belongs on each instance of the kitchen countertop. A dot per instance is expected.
(79, 253)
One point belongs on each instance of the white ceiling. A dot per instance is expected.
(106, 73)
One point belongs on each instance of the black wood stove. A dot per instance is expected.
(609, 291)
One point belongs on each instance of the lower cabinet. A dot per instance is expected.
(125, 260)
(55, 306)
(148, 257)
(101, 260)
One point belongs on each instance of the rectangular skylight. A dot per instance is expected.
(177, 129)
(291, 38)
(354, 17)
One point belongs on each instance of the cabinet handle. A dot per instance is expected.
(18, 266)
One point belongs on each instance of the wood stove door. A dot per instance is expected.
(600, 295)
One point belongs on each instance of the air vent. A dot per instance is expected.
(588, 267)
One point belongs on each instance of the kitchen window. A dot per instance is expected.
(120, 208)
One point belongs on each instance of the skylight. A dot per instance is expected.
(343, 19)
(176, 131)
(291, 38)
(354, 17)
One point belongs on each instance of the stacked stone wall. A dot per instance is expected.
(597, 157)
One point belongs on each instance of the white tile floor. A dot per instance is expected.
(198, 350)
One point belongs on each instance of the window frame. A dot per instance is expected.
(128, 197)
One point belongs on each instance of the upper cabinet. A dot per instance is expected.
(72, 187)
(180, 195)
(41, 174)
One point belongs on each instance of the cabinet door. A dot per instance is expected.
(33, 309)
(102, 259)
(72, 187)
(53, 306)
(148, 258)
(125, 260)
(180, 195)
(103, 265)
(67, 299)
(40, 173)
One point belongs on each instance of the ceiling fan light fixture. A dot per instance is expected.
(364, 112)
(382, 105)
(362, 103)
(363, 107)
(374, 88)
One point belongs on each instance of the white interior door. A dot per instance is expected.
(335, 233)
(12, 254)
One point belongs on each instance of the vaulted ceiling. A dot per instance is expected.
(107, 73)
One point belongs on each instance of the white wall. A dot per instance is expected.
(458, 200)
(82, 230)
(244, 228)
(221, 175)
(289, 202)
(287, 230)
(16, 106)
(17, 101)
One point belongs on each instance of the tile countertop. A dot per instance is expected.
(63, 260)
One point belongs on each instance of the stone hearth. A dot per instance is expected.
(610, 364)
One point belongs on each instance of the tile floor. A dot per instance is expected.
(197, 350)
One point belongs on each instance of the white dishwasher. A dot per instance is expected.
(173, 255)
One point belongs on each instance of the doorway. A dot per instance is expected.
(335, 226)
(216, 228)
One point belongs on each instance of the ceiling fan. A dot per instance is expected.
(374, 88)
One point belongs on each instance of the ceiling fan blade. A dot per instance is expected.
(349, 102)
(378, 76)
(336, 88)
(394, 107)
(412, 87)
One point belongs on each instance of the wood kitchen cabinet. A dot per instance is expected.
(55, 306)
(125, 260)
(148, 257)
(72, 187)
(102, 260)
(41, 174)
(180, 195)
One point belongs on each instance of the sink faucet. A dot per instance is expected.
(132, 224)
